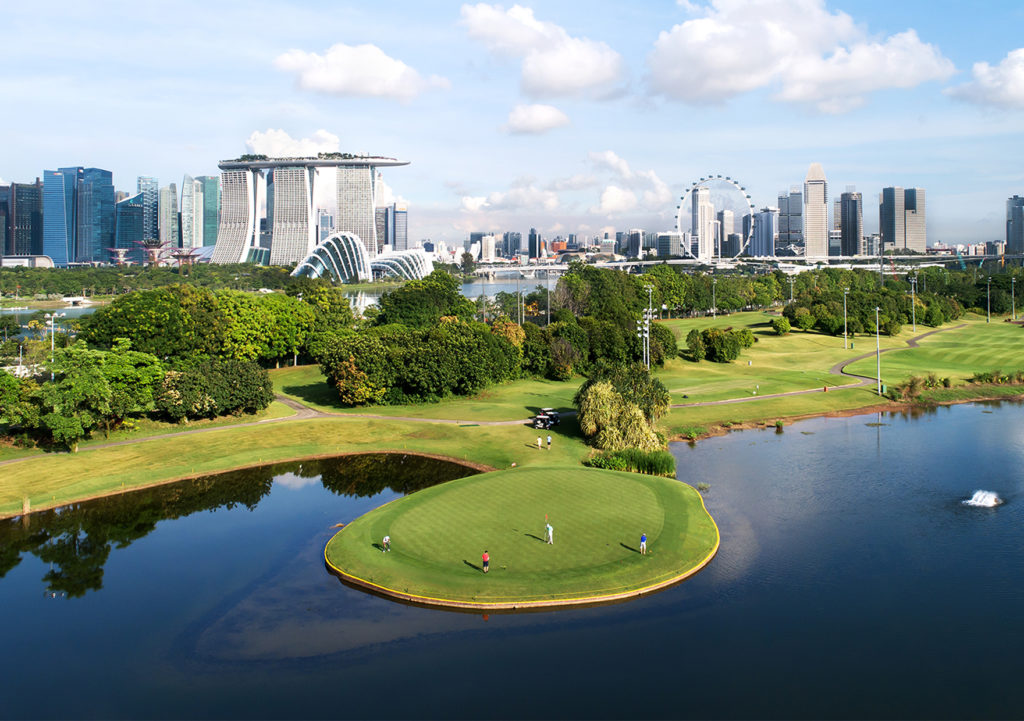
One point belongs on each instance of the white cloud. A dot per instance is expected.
(814, 56)
(279, 144)
(610, 160)
(386, 196)
(518, 197)
(554, 62)
(656, 195)
(574, 182)
(535, 119)
(615, 200)
(1001, 86)
(357, 70)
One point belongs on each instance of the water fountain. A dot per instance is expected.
(983, 499)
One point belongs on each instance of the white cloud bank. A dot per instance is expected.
(357, 70)
(1001, 86)
(621, 195)
(553, 62)
(814, 56)
(279, 144)
(535, 119)
(521, 196)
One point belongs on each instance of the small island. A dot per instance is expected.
(438, 535)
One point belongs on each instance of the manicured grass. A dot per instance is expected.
(439, 534)
(509, 401)
(956, 354)
(53, 479)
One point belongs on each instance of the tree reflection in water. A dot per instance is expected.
(76, 540)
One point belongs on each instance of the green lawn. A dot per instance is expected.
(956, 354)
(439, 534)
(510, 401)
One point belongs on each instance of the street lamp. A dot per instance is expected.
(878, 354)
(1013, 298)
(988, 300)
(547, 279)
(913, 304)
(714, 301)
(845, 291)
(791, 281)
(295, 361)
(51, 319)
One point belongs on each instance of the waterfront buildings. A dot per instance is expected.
(1015, 225)
(815, 213)
(78, 215)
(901, 219)
(289, 185)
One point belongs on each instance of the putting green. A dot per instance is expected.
(438, 535)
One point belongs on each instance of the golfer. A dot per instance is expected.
(549, 441)
(550, 534)
(643, 544)
(539, 441)
(386, 544)
(486, 560)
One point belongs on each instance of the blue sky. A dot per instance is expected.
(567, 116)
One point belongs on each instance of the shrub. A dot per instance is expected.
(781, 325)
(652, 463)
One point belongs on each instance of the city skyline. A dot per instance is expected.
(552, 114)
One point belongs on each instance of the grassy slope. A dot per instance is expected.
(598, 516)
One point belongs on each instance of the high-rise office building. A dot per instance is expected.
(78, 215)
(815, 212)
(702, 224)
(384, 218)
(211, 207)
(670, 244)
(635, 244)
(536, 244)
(791, 217)
(170, 233)
(129, 226)
(401, 228)
(191, 213)
(726, 226)
(150, 189)
(324, 224)
(766, 232)
(901, 219)
(21, 218)
(851, 222)
(1015, 225)
(512, 242)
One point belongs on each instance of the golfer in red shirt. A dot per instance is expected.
(487, 561)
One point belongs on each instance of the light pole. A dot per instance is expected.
(845, 291)
(295, 361)
(1013, 297)
(547, 279)
(878, 354)
(51, 319)
(988, 300)
(791, 281)
(714, 301)
(647, 326)
(913, 304)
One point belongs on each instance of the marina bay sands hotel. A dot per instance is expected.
(289, 185)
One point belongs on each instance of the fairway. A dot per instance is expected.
(438, 536)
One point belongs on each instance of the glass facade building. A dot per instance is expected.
(211, 207)
(1015, 224)
(130, 225)
(150, 190)
(78, 215)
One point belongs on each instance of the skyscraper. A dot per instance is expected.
(385, 221)
(851, 222)
(726, 226)
(129, 227)
(766, 231)
(815, 212)
(150, 189)
(356, 195)
(211, 207)
(191, 213)
(78, 214)
(512, 243)
(290, 214)
(702, 223)
(1015, 225)
(536, 244)
(791, 217)
(636, 243)
(170, 234)
(901, 219)
(21, 218)
(401, 228)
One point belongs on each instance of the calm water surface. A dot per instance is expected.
(851, 583)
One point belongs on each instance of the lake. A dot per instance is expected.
(852, 582)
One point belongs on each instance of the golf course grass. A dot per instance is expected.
(438, 536)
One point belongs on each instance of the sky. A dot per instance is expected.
(571, 117)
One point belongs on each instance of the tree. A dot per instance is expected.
(78, 399)
(134, 379)
(9, 325)
(781, 325)
(422, 303)
(617, 407)
(468, 263)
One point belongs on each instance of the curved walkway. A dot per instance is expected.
(839, 369)
(304, 412)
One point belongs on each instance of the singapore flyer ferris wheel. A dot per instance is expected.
(715, 217)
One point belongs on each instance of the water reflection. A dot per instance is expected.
(76, 540)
